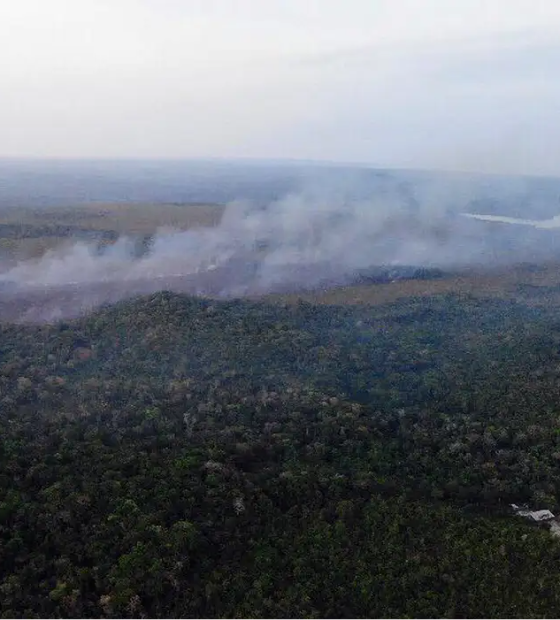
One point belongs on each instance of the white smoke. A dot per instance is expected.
(320, 235)
(293, 231)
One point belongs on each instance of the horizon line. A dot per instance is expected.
(256, 161)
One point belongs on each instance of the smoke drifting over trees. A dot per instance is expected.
(329, 233)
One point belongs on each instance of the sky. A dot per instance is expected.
(452, 84)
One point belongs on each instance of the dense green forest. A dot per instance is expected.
(181, 457)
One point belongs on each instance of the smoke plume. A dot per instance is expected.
(320, 237)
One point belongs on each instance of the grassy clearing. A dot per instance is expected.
(521, 282)
(135, 218)
(32, 247)
(29, 233)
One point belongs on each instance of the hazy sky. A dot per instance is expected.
(461, 84)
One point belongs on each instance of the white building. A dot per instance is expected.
(535, 515)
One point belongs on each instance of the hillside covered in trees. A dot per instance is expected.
(181, 457)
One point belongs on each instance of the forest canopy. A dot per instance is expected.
(172, 456)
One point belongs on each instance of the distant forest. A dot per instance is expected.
(56, 183)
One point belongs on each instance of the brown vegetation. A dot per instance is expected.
(29, 233)
(519, 282)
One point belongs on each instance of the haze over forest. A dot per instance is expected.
(275, 228)
(279, 300)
